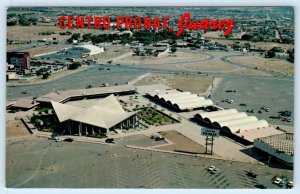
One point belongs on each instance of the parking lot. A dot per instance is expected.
(275, 94)
(39, 162)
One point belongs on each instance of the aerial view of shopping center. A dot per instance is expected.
(120, 107)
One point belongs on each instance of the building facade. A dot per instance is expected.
(20, 60)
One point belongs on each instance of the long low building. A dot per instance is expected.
(181, 101)
(105, 116)
(66, 95)
(237, 124)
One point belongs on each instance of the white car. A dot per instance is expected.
(277, 180)
(211, 168)
(290, 184)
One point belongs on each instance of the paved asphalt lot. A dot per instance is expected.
(276, 94)
(38, 163)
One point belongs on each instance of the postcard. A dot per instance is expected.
(150, 97)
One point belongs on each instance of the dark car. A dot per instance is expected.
(261, 186)
(251, 174)
(68, 140)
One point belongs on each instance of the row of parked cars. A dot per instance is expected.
(283, 182)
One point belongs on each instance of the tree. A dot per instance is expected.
(75, 36)
(148, 52)
(32, 20)
(11, 22)
(23, 21)
(291, 54)
(74, 65)
(270, 54)
(277, 49)
(246, 37)
(46, 75)
(173, 49)
(247, 45)
(87, 37)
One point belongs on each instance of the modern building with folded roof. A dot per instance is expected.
(105, 116)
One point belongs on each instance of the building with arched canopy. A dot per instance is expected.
(237, 125)
(181, 101)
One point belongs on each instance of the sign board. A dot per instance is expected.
(210, 132)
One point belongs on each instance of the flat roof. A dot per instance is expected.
(60, 96)
(153, 88)
(89, 47)
(283, 142)
(25, 103)
(252, 134)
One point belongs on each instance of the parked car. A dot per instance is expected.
(68, 140)
(283, 183)
(109, 140)
(54, 137)
(277, 180)
(215, 171)
(157, 137)
(251, 174)
(211, 168)
(261, 186)
(290, 185)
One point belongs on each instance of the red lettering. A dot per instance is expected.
(128, 22)
(70, 22)
(183, 23)
(221, 24)
(165, 22)
(80, 22)
(204, 25)
(89, 19)
(147, 23)
(62, 20)
(137, 22)
(213, 24)
(106, 22)
(193, 25)
(156, 23)
(97, 22)
(229, 25)
(120, 20)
